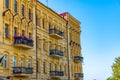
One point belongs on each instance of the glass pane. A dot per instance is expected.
(7, 3)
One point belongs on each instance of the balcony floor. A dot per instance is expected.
(23, 46)
(56, 36)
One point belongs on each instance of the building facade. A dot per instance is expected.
(37, 43)
(74, 46)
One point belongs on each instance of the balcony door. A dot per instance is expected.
(14, 61)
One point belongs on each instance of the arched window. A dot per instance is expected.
(5, 62)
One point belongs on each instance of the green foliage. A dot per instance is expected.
(115, 70)
(109, 78)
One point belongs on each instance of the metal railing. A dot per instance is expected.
(22, 70)
(56, 73)
(56, 52)
(23, 40)
(78, 75)
(78, 58)
(55, 31)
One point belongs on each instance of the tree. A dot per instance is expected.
(115, 70)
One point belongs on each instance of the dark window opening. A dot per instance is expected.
(23, 10)
(6, 31)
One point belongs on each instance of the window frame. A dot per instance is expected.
(6, 31)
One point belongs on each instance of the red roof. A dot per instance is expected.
(63, 14)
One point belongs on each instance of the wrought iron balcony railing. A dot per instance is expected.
(56, 53)
(22, 70)
(56, 73)
(56, 33)
(78, 75)
(22, 41)
(78, 58)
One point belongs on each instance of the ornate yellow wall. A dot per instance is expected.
(10, 45)
(51, 41)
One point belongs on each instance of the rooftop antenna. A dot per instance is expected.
(47, 2)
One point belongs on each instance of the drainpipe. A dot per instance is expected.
(68, 50)
(36, 41)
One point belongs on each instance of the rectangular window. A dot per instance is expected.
(15, 31)
(43, 23)
(5, 62)
(14, 61)
(15, 5)
(29, 63)
(7, 3)
(50, 67)
(23, 9)
(6, 31)
(29, 13)
(44, 67)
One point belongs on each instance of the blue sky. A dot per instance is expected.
(100, 38)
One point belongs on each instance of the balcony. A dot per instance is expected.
(56, 73)
(78, 59)
(56, 33)
(22, 71)
(23, 42)
(56, 53)
(78, 75)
